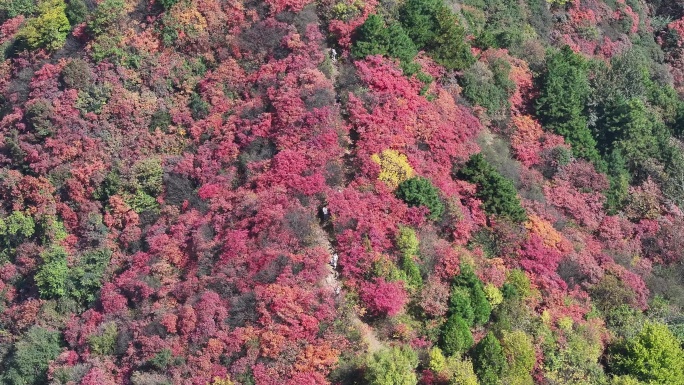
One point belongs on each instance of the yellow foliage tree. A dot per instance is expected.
(49, 29)
(520, 354)
(394, 167)
(460, 371)
(493, 294)
(437, 360)
(221, 381)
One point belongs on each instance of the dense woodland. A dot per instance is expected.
(504, 181)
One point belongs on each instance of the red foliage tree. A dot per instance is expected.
(384, 298)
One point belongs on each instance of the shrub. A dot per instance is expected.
(394, 366)
(563, 96)
(489, 360)
(624, 321)
(198, 107)
(29, 362)
(497, 193)
(141, 202)
(460, 371)
(457, 370)
(51, 277)
(652, 356)
(49, 29)
(93, 98)
(414, 279)
(456, 336)
(106, 47)
(103, 343)
(374, 37)
(558, 2)
(489, 87)
(161, 119)
(419, 191)
(632, 129)
(481, 307)
(493, 294)
(167, 3)
(394, 167)
(449, 47)
(162, 359)
(520, 354)
(518, 281)
(14, 229)
(611, 292)
(433, 27)
(149, 176)
(437, 362)
(38, 114)
(14, 8)
(619, 178)
(109, 186)
(407, 242)
(85, 279)
(460, 304)
(106, 15)
(419, 19)
(76, 11)
(76, 74)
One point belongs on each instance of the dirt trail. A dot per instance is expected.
(324, 237)
(332, 281)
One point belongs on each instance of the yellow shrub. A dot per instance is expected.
(394, 167)
(493, 294)
(460, 371)
(565, 324)
(49, 29)
(437, 360)
(221, 381)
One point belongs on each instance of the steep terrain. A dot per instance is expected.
(504, 180)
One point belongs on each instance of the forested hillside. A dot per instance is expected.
(302, 192)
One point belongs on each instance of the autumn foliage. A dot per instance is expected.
(319, 192)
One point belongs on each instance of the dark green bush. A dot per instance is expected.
(563, 96)
(497, 193)
(375, 37)
(198, 107)
(489, 361)
(460, 304)
(76, 74)
(85, 279)
(106, 15)
(167, 4)
(162, 359)
(76, 11)
(32, 353)
(489, 87)
(109, 186)
(419, 191)
(433, 27)
(14, 8)
(456, 336)
(468, 299)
